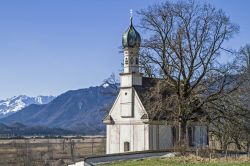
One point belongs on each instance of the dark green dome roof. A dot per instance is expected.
(131, 37)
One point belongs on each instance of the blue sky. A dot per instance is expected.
(48, 47)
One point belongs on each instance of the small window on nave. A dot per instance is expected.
(126, 146)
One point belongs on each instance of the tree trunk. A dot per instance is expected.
(183, 135)
(238, 145)
(182, 126)
(248, 151)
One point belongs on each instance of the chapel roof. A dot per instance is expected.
(146, 92)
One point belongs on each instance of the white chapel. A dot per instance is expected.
(129, 124)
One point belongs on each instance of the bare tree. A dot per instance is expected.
(50, 150)
(111, 90)
(231, 126)
(146, 66)
(245, 51)
(27, 153)
(63, 145)
(72, 149)
(244, 95)
(184, 43)
(112, 83)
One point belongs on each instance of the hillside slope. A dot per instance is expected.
(78, 110)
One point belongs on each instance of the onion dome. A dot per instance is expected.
(131, 38)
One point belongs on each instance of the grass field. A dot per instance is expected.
(181, 161)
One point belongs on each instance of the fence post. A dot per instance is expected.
(248, 151)
(197, 152)
(92, 145)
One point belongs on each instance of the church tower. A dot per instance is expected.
(130, 76)
(130, 124)
(131, 41)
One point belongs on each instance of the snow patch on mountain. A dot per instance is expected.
(16, 103)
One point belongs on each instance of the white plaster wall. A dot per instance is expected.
(200, 136)
(136, 106)
(125, 131)
(146, 137)
(127, 80)
(153, 137)
(165, 137)
(114, 139)
(136, 135)
(107, 139)
(160, 137)
(137, 79)
(128, 97)
(140, 138)
(156, 137)
(126, 102)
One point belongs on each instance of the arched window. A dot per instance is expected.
(175, 135)
(191, 139)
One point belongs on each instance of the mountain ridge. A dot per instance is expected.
(76, 110)
(14, 104)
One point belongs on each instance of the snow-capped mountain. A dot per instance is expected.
(16, 103)
(79, 110)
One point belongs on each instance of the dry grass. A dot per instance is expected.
(56, 151)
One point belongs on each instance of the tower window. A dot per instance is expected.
(126, 61)
(126, 93)
(136, 61)
(126, 146)
(131, 60)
